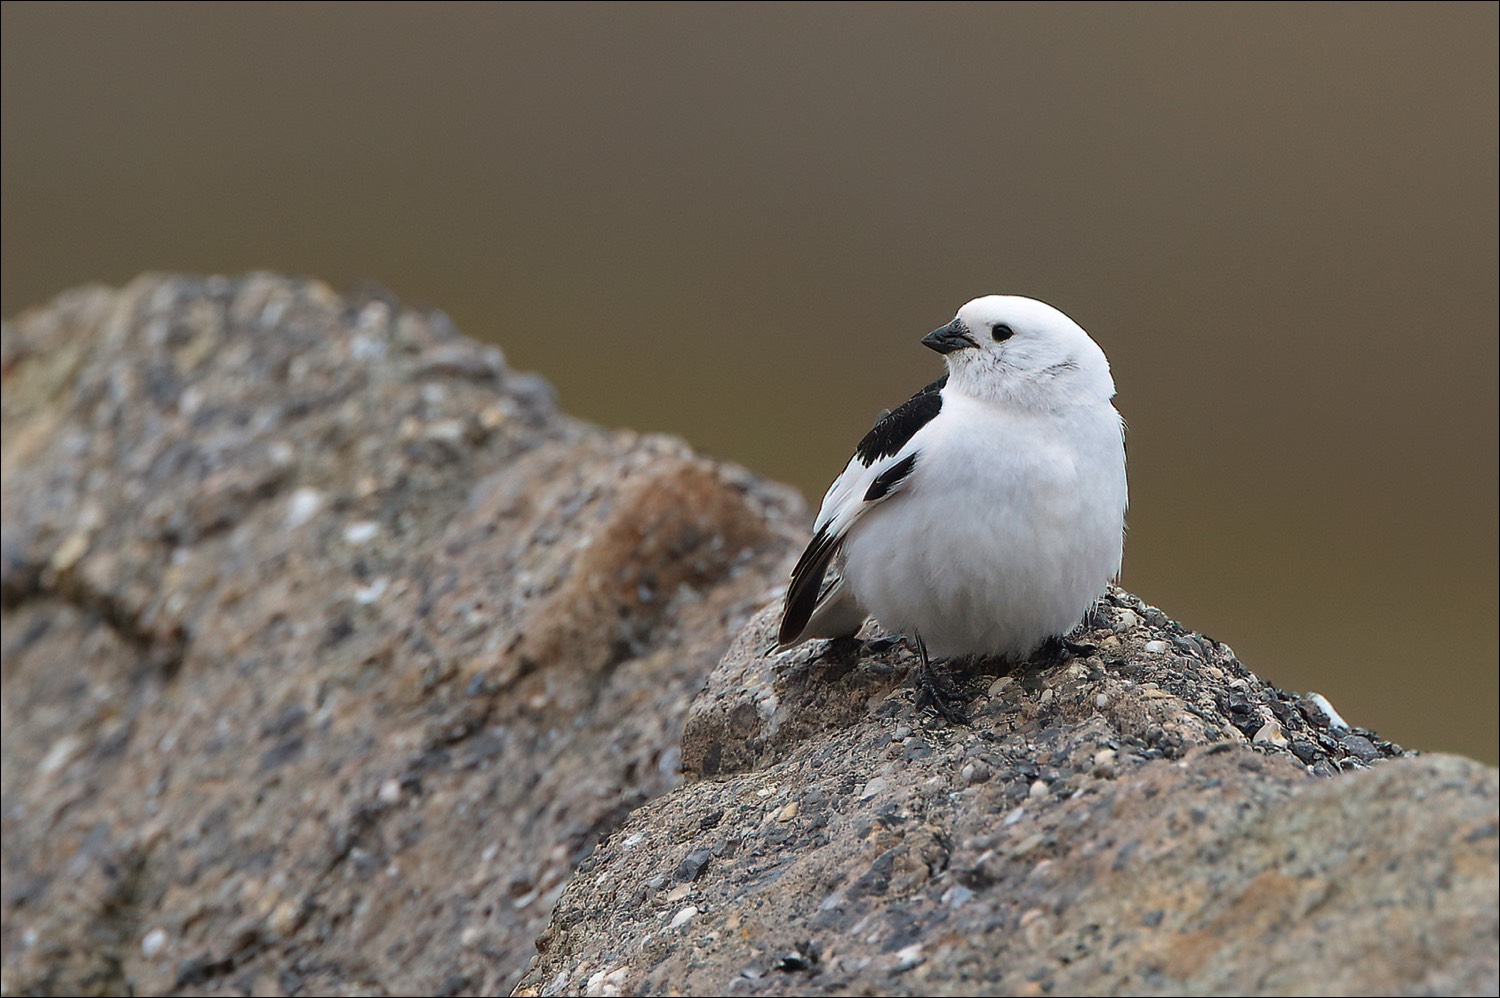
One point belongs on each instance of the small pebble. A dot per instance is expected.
(1038, 790)
(1305, 750)
(1101, 700)
(284, 918)
(1189, 644)
(1360, 747)
(692, 865)
(1036, 929)
(361, 532)
(957, 897)
(153, 943)
(1104, 763)
(1125, 620)
(450, 431)
(302, 506)
(492, 417)
(365, 595)
(1155, 647)
(69, 551)
(787, 813)
(683, 917)
(62, 752)
(1270, 734)
(607, 983)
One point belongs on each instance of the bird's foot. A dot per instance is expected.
(1056, 650)
(937, 691)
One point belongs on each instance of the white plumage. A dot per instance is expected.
(986, 514)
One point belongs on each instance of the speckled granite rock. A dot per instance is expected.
(1147, 819)
(329, 647)
(1152, 683)
(330, 651)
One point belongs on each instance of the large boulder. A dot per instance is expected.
(331, 650)
(330, 647)
(1150, 818)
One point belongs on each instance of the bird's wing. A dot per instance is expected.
(881, 465)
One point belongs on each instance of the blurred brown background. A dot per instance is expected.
(733, 222)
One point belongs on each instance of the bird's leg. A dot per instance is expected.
(935, 690)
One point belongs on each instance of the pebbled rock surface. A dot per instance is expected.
(331, 650)
(1149, 818)
(330, 647)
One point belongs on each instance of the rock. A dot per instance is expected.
(336, 660)
(327, 655)
(1129, 838)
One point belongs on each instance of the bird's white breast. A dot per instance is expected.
(1009, 531)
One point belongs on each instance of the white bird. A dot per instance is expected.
(986, 515)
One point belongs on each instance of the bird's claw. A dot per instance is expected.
(1055, 651)
(937, 691)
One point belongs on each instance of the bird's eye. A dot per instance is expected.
(1001, 332)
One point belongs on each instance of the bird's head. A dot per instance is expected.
(1020, 350)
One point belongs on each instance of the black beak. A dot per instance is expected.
(953, 336)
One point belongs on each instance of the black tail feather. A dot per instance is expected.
(806, 585)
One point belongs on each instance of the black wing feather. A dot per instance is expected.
(891, 432)
(890, 478)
